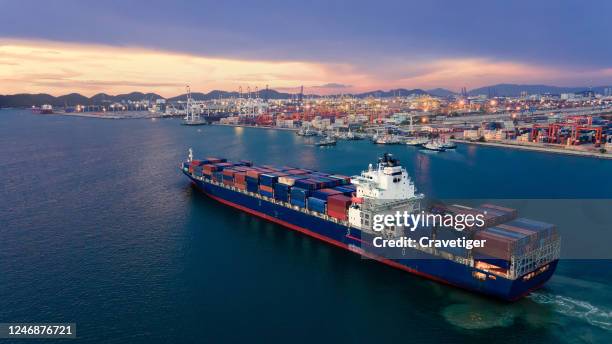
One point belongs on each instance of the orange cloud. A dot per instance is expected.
(34, 66)
(58, 68)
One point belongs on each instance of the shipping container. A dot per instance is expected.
(297, 202)
(316, 204)
(496, 246)
(265, 190)
(344, 190)
(325, 193)
(445, 233)
(337, 206)
(299, 194)
(346, 179)
(254, 173)
(290, 179)
(308, 184)
(281, 192)
(240, 178)
(217, 176)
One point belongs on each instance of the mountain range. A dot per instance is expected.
(505, 90)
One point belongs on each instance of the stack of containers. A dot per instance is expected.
(513, 238)
(228, 176)
(281, 192)
(307, 184)
(316, 204)
(323, 194)
(337, 206)
(240, 180)
(345, 179)
(492, 216)
(217, 176)
(208, 170)
(299, 195)
(211, 160)
(252, 180)
(498, 248)
(450, 233)
(197, 171)
(495, 214)
(290, 179)
(345, 190)
(540, 233)
(267, 182)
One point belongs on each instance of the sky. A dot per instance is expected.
(110, 46)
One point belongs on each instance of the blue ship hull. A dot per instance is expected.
(418, 262)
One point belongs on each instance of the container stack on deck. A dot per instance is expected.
(505, 234)
(316, 191)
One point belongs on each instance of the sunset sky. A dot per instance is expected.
(88, 47)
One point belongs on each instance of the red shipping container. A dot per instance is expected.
(229, 172)
(340, 215)
(240, 186)
(495, 246)
(240, 178)
(254, 173)
(340, 201)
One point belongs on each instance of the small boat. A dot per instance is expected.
(416, 141)
(306, 132)
(433, 146)
(46, 109)
(449, 145)
(327, 141)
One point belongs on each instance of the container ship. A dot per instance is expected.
(519, 256)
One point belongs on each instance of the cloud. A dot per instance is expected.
(333, 85)
(34, 66)
(43, 66)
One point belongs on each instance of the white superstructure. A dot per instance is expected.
(384, 189)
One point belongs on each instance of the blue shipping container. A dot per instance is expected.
(316, 204)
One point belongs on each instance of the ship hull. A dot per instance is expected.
(418, 262)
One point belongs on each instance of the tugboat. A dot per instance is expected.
(433, 146)
(327, 141)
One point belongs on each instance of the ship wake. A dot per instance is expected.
(576, 308)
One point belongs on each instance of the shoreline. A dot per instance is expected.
(540, 149)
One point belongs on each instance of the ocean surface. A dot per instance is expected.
(99, 227)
